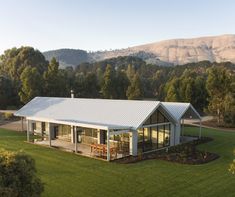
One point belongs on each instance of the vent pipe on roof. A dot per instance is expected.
(72, 94)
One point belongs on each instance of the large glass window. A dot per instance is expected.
(120, 144)
(151, 138)
(62, 132)
(90, 132)
(154, 137)
(156, 117)
(86, 135)
(161, 135)
(161, 118)
(167, 135)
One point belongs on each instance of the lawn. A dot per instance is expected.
(69, 175)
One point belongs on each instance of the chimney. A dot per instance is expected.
(72, 94)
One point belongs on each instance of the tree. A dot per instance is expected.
(218, 86)
(15, 60)
(86, 86)
(55, 82)
(79, 85)
(18, 175)
(187, 88)
(6, 92)
(232, 166)
(108, 86)
(172, 90)
(229, 105)
(200, 95)
(158, 82)
(91, 86)
(135, 90)
(99, 74)
(122, 83)
(32, 84)
(130, 72)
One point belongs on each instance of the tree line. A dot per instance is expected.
(210, 87)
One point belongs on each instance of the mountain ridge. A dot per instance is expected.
(167, 52)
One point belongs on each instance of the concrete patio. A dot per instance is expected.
(65, 145)
(82, 149)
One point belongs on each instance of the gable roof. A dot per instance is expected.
(181, 110)
(112, 114)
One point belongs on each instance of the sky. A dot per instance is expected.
(109, 24)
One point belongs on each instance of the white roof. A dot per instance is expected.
(112, 114)
(181, 110)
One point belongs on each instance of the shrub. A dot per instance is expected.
(232, 166)
(8, 115)
(18, 175)
(229, 119)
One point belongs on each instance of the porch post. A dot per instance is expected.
(76, 139)
(22, 124)
(98, 136)
(42, 130)
(49, 133)
(72, 135)
(182, 127)
(133, 143)
(27, 125)
(108, 146)
(177, 133)
(200, 129)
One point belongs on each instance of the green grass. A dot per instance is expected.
(67, 175)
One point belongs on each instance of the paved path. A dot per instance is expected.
(15, 125)
(8, 111)
(217, 128)
(193, 121)
(12, 125)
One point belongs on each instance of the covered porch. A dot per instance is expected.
(88, 140)
(92, 150)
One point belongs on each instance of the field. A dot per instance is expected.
(69, 175)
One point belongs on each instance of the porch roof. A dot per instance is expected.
(98, 113)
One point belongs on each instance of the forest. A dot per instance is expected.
(209, 87)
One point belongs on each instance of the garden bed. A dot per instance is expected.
(183, 153)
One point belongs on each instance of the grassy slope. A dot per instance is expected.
(66, 174)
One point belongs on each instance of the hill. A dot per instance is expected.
(168, 52)
(68, 57)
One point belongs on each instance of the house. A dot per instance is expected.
(105, 128)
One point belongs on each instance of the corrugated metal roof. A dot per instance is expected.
(179, 110)
(105, 112)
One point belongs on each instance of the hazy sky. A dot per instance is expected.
(109, 24)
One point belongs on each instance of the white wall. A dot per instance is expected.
(177, 133)
(133, 144)
(172, 135)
